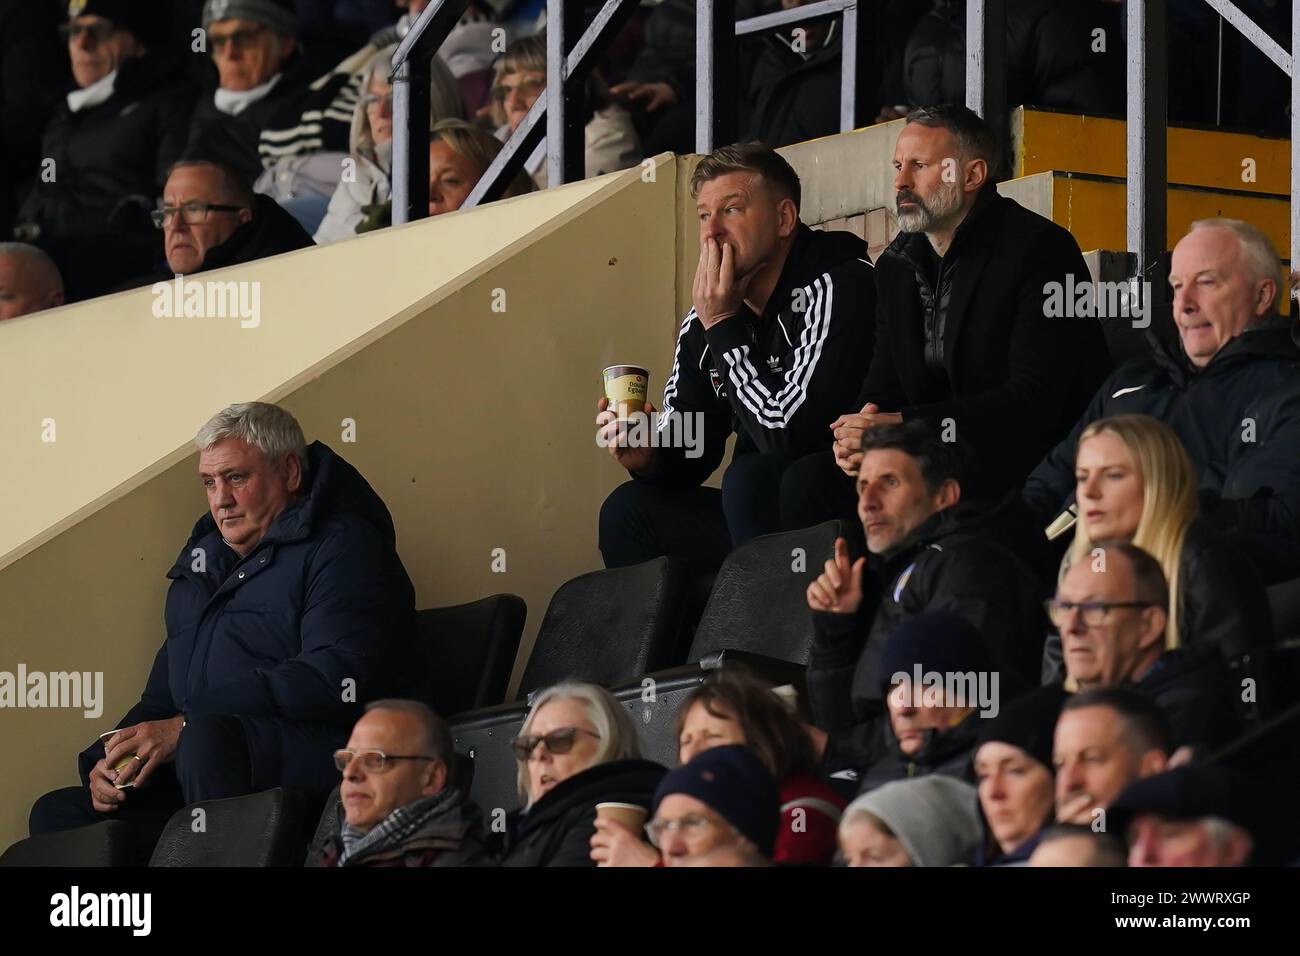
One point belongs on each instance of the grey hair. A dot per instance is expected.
(38, 261)
(435, 737)
(618, 739)
(268, 428)
(1220, 831)
(1257, 252)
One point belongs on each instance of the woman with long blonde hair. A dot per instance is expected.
(1135, 483)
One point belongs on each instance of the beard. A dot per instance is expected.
(925, 216)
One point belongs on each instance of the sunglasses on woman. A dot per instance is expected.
(556, 742)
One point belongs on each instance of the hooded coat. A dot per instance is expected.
(274, 637)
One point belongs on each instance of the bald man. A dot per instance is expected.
(29, 281)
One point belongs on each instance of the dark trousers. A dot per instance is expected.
(212, 761)
(761, 494)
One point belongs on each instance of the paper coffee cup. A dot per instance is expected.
(628, 814)
(626, 387)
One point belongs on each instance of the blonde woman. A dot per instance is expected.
(577, 748)
(1135, 483)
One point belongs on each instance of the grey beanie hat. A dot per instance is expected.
(936, 818)
(276, 14)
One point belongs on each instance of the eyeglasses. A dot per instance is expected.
(692, 827)
(96, 31)
(556, 742)
(373, 100)
(374, 761)
(239, 40)
(1094, 613)
(523, 88)
(192, 213)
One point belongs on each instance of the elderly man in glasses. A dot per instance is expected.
(210, 220)
(1111, 612)
(399, 803)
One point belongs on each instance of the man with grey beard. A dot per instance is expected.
(963, 337)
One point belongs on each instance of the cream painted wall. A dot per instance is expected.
(476, 427)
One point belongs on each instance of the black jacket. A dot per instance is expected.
(954, 562)
(234, 141)
(275, 636)
(1238, 418)
(117, 151)
(948, 753)
(557, 829)
(777, 380)
(1005, 377)
(1053, 59)
(1195, 690)
(1222, 602)
(793, 97)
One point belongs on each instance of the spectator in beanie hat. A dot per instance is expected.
(111, 142)
(261, 81)
(1013, 771)
(724, 796)
(924, 735)
(930, 821)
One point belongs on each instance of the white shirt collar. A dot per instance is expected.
(92, 95)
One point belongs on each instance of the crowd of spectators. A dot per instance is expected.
(291, 98)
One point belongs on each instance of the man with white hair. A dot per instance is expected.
(29, 281)
(1230, 389)
(288, 610)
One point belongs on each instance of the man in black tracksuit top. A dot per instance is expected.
(778, 341)
(1231, 390)
(964, 338)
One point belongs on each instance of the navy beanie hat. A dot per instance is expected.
(938, 641)
(736, 785)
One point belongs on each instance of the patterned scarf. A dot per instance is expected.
(394, 830)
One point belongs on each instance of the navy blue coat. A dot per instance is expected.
(274, 636)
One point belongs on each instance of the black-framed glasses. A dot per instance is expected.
(192, 213)
(96, 31)
(374, 761)
(692, 826)
(556, 742)
(239, 40)
(1094, 613)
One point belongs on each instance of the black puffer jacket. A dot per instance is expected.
(557, 829)
(975, 353)
(956, 562)
(116, 151)
(1238, 418)
(1053, 57)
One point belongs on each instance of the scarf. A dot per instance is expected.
(96, 93)
(234, 102)
(394, 830)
